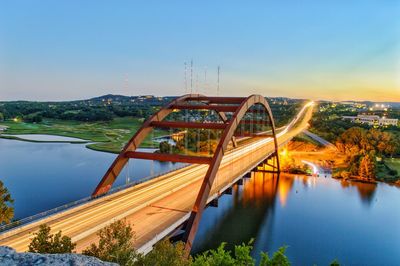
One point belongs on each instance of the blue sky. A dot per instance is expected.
(62, 50)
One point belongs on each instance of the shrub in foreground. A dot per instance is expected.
(44, 242)
(115, 244)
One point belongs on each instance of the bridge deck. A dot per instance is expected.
(155, 207)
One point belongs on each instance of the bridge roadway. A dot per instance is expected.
(157, 207)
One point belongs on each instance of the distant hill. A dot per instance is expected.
(123, 99)
(113, 97)
(368, 103)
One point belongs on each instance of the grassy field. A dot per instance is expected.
(384, 173)
(393, 164)
(104, 136)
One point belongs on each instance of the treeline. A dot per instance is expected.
(116, 244)
(365, 150)
(329, 124)
(80, 110)
(107, 107)
(195, 140)
(284, 113)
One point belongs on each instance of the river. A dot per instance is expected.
(318, 219)
(42, 176)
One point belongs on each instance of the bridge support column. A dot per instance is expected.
(272, 162)
(229, 191)
(214, 203)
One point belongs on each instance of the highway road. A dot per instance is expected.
(319, 139)
(156, 207)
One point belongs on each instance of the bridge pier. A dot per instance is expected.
(214, 203)
(229, 191)
(247, 175)
(269, 165)
(177, 237)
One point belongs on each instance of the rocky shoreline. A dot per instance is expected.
(9, 257)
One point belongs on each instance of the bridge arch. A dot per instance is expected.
(238, 106)
(201, 201)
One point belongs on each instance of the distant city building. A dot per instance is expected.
(379, 107)
(372, 120)
(356, 105)
(347, 103)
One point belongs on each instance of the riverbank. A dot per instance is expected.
(387, 170)
(46, 138)
(100, 136)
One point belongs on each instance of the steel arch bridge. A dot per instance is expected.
(231, 111)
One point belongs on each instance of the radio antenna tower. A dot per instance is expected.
(191, 76)
(218, 81)
(185, 78)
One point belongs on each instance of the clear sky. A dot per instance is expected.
(63, 50)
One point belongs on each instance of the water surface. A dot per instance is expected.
(44, 137)
(41, 176)
(319, 219)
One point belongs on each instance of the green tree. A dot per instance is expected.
(242, 254)
(367, 167)
(241, 257)
(1, 117)
(165, 147)
(335, 263)
(218, 256)
(44, 242)
(33, 118)
(278, 258)
(6, 208)
(166, 254)
(115, 244)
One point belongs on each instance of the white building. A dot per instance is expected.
(379, 107)
(372, 120)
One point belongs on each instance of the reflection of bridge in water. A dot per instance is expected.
(172, 204)
(252, 205)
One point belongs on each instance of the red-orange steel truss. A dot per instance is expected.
(238, 106)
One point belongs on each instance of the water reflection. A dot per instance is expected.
(41, 176)
(243, 215)
(366, 191)
(318, 218)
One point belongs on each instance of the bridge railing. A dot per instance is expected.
(65, 207)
